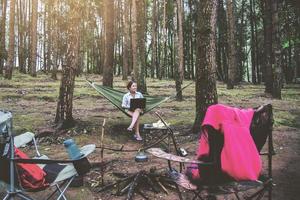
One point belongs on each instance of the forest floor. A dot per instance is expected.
(33, 104)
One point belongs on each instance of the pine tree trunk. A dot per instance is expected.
(232, 68)
(49, 20)
(45, 38)
(164, 40)
(253, 52)
(297, 50)
(187, 42)
(108, 67)
(141, 30)
(55, 38)
(11, 46)
(220, 73)
(206, 91)
(21, 21)
(170, 67)
(126, 40)
(2, 35)
(138, 43)
(28, 44)
(268, 46)
(180, 39)
(134, 40)
(33, 49)
(277, 82)
(257, 50)
(153, 39)
(241, 38)
(102, 51)
(178, 50)
(222, 67)
(64, 117)
(297, 59)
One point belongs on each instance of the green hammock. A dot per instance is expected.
(116, 97)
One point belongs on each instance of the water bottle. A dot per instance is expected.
(73, 150)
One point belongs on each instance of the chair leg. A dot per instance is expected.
(178, 190)
(197, 194)
(237, 196)
(23, 196)
(19, 194)
(6, 197)
(56, 190)
(66, 187)
(60, 191)
(259, 194)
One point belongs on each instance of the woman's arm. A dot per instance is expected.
(125, 101)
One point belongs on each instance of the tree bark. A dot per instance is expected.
(11, 46)
(126, 40)
(253, 50)
(178, 50)
(206, 91)
(109, 43)
(49, 11)
(138, 43)
(257, 50)
(2, 35)
(64, 117)
(55, 39)
(33, 34)
(277, 82)
(222, 65)
(180, 39)
(268, 46)
(232, 68)
(164, 41)
(241, 40)
(134, 40)
(153, 39)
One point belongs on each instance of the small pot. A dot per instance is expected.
(141, 157)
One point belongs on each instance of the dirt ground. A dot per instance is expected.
(90, 110)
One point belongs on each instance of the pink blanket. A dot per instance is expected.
(239, 157)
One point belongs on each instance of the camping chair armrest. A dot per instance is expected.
(159, 153)
(24, 139)
(86, 150)
(81, 165)
(43, 161)
(267, 153)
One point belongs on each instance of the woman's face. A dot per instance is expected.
(133, 87)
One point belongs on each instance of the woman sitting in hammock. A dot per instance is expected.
(135, 114)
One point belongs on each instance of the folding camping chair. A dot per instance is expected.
(59, 173)
(214, 181)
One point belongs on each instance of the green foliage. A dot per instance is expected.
(290, 42)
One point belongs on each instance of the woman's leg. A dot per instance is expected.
(137, 128)
(135, 117)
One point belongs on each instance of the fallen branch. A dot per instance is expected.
(134, 185)
(102, 151)
(113, 184)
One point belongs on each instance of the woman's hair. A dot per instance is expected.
(129, 84)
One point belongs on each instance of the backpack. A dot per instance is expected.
(31, 176)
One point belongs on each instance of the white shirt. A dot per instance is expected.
(128, 96)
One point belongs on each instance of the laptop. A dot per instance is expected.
(137, 103)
